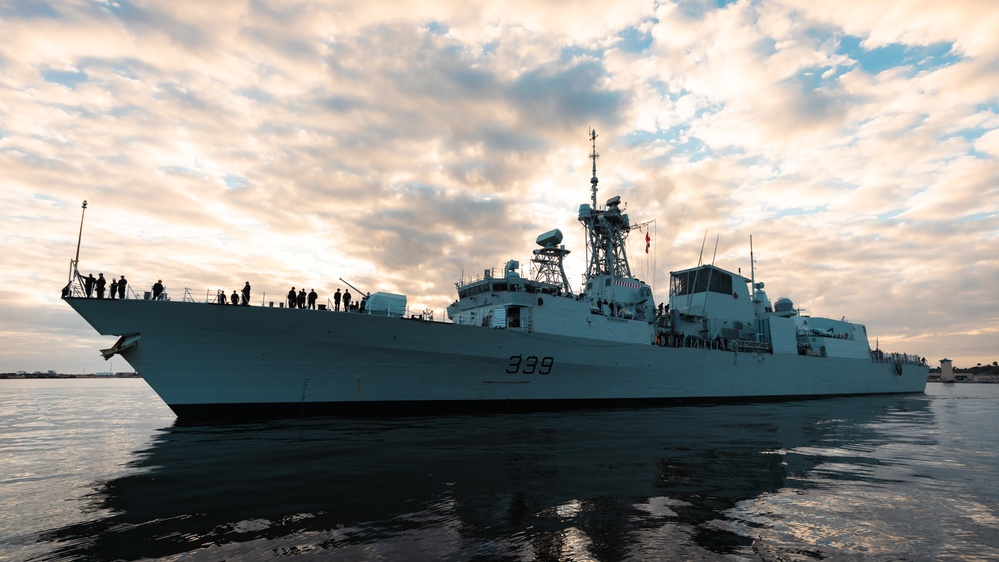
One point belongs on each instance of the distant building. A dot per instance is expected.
(946, 370)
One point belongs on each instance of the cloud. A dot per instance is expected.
(294, 143)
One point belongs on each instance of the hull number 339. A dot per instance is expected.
(530, 365)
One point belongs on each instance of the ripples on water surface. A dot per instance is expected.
(97, 470)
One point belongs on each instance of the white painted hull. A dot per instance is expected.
(206, 360)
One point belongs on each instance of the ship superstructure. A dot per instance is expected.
(624, 305)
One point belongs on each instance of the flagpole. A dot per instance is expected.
(79, 238)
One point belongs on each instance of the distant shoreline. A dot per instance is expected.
(68, 376)
(982, 381)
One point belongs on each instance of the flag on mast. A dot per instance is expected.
(648, 242)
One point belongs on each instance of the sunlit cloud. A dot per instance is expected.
(400, 145)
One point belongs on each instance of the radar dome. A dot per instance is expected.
(784, 304)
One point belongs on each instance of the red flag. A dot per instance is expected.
(648, 242)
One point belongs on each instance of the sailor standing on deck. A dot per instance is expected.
(157, 289)
(114, 288)
(246, 294)
(101, 284)
(88, 284)
(346, 300)
(336, 300)
(122, 283)
(292, 298)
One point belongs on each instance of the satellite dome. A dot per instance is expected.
(784, 304)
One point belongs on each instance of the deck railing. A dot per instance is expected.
(210, 296)
(879, 356)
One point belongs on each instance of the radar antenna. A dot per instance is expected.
(548, 260)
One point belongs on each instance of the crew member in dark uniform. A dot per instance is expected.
(292, 298)
(336, 300)
(88, 284)
(122, 283)
(157, 289)
(246, 294)
(101, 284)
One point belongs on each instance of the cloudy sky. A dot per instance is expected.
(400, 144)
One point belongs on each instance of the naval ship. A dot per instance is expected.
(510, 342)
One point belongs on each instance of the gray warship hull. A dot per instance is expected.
(209, 361)
(511, 343)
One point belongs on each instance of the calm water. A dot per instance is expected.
(98, 470)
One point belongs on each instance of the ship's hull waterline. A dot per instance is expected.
(220, 361)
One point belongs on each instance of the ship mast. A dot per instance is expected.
(606, 230)
(594, 181)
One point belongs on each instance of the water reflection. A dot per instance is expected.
(606, 485)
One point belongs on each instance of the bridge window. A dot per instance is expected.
(700, 280)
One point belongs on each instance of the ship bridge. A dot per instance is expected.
(710, 300)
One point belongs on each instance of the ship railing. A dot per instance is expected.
(76, 287)
(486, 274)
(76, 291)
(719, 344)
(751, 346)
(211, 297)
(879, 356)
